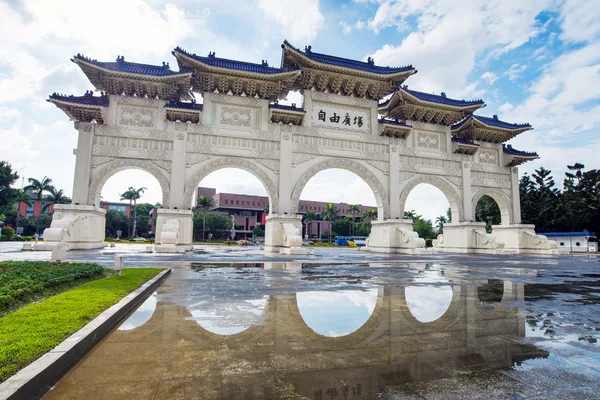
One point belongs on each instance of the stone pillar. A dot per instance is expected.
(285, 170)
(83, 162)
(521, 238)
(177, 182)
(374, 119)
(467, 193)
(76, 227)
(174, 231)
(467, 237)
(515, 195)
(394, 181)
(307, 105)
(283, 234)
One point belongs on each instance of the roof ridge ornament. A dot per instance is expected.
(211, 55)
(495, 116)
(308, 49)
(370, 61)
(120, 59)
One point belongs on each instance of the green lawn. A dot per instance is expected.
(26, 334)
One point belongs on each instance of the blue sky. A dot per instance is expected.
(534, 61)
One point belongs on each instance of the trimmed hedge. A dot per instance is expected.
(8, 232)
(22, 279)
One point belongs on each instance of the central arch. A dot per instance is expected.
(381, 197)
(101, 176)
(454, 198)
(229, 162)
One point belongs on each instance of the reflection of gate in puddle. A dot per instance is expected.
(273, 351)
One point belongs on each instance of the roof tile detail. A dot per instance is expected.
(120, 65)
(87, 99)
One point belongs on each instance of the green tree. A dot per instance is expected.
(449, 215)
(219, 225)
(128, 195)
(439, 223)
(342, 227)
(363, 229)
(7, 178)
(55, 197)
(330, 214)
(369, 215)
(354, 210)
(204, 202)
(116, 221)
(411, 215)
(487, 211)
(258, 231)
(133, 195)
(424, 228)
(308, 217)
(39, 187)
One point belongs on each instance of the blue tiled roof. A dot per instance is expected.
(368, 66)
(120, 65)
(184, 105)
(508, 149)
(442, 99)
(213, 61)
(494, 121)
(286, 107)
(463, 141)
(393, 122)
(568, 234)
(87, 99)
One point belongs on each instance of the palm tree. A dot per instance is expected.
(309, 217)
(411, 215)
(369, 214)
(136, 195)
(55, 197)
(39, 187)
(128, 195)
(439, 223)
(353, 209)
(330, 214)
(21, 196)
(204, 202)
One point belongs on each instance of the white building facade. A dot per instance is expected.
(145, 118)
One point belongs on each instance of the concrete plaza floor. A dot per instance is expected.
(347, 324)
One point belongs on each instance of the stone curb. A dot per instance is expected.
(32, 381)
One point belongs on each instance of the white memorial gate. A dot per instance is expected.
(145, 118)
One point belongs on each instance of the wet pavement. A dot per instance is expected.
(351, 325)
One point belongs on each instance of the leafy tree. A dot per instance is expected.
(353, 209)
(342, 227)
(487, 211)
(116, 221)
(330, 214)
(258, 231)
(363, 229)
(449, 215)
(219, 225)
(133, 195)
(411, 215)
(369, 215)
(7, 178)
(55, 197)
(424, 228)
(204, 202)
(309, 217)
(39, 187)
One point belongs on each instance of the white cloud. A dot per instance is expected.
(346, 28)
(515, 71)
(489, 77)
(580, 20)
(506, 107)
(450, 36)
(360, 24)
(300, 21)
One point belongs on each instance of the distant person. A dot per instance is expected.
(36, 237)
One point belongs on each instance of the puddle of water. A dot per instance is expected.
(339, 331)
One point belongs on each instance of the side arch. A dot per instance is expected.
(228, 162)
(381, 196)
(447, 188)
(504, 203)
(105, 172)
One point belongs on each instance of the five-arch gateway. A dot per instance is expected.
(146, 118)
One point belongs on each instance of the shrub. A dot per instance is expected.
(428, 242)
(8, 232)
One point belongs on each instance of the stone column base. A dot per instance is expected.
(467, 238)
(522, 239)
(395, 236)
(283, 234)
(174, 231)
(76, 227)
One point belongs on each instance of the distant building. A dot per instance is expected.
(35, 208)
(575, 242)
(248, 211)
(121, 207)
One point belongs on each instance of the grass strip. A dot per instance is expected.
(27, 334)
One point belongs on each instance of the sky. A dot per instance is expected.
(535, 61)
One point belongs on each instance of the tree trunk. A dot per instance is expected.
(18, 215)
(134, 219)
(129, 222)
